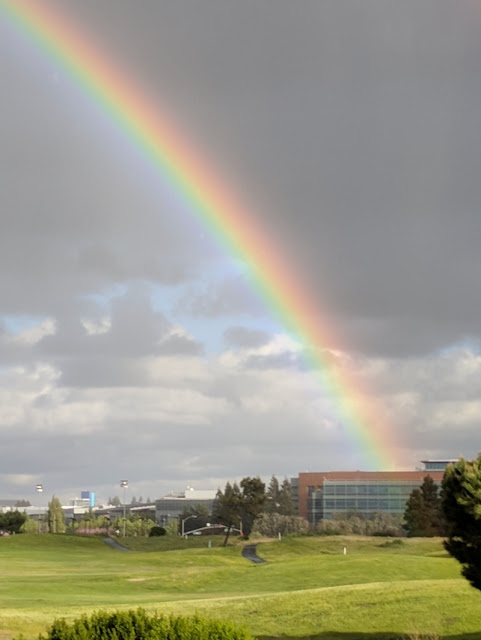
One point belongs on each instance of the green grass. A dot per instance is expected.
(307, 588)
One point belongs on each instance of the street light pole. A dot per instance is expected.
(123, 485)
(39, 489)
(184, 520)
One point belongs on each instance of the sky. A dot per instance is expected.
(133, 344)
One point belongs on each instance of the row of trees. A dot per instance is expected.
(380, 524)
(117, 502)
(239, 505)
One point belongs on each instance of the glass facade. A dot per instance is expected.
(363, 497)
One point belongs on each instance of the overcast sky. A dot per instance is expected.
(131, 344)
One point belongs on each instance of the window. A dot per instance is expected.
(395, 490)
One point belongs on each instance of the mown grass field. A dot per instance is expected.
(307, 588)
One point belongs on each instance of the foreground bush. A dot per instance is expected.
(129, 625)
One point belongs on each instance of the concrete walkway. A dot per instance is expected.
(114, 544)
(250, 553)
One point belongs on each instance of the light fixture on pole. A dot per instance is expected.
(184, 520)
(124, 485)
(39, 489)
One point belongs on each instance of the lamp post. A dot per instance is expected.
(184, 520)
(39, 489)
(123, 485)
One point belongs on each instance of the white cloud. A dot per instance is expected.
(33, 335)
(96, 326)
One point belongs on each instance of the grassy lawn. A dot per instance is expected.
(308, 588)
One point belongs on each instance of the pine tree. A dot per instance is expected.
(252, 502)
(461, 503)
(286, 499)
(273, 496)
(414, 515)
(423, 516)
(436, 525)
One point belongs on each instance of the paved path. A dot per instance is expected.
(114, 544)
(249, 552)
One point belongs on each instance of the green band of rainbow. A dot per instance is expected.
(218, 208)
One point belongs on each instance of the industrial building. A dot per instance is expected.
(171, 506)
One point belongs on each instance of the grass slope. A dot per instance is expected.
(307, 587)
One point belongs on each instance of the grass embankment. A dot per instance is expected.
(307, 587)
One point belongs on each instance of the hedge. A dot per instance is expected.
(139, 625)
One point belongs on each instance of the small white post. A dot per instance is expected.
(345, 550)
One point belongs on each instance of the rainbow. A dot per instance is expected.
(218, 208)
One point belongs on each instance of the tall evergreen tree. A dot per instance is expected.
(286, 499)
(423, 516)
(461, 503)
(436, 525)
(273, 496)
(252, 502)
(414, 515)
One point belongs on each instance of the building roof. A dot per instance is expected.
(372, 476)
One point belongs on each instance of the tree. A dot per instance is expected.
(239, 505)
(286, 499)
(29, 526)
(253, 499)
(12, 521)
(115, 501)
(461, 503)
(273, 496)
(414, 515)
(423, 515)
(55, 516)
(227, 508)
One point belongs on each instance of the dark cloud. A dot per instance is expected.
(349, 131)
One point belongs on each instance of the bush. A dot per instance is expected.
(157, 531)
(125, 625)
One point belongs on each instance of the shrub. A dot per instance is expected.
(157, 531)
(125, 625)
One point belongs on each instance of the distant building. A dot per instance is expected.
(171, 506)
(90, 496)
(8, 505)
(320, 495)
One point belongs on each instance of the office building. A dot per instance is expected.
(321, 495)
